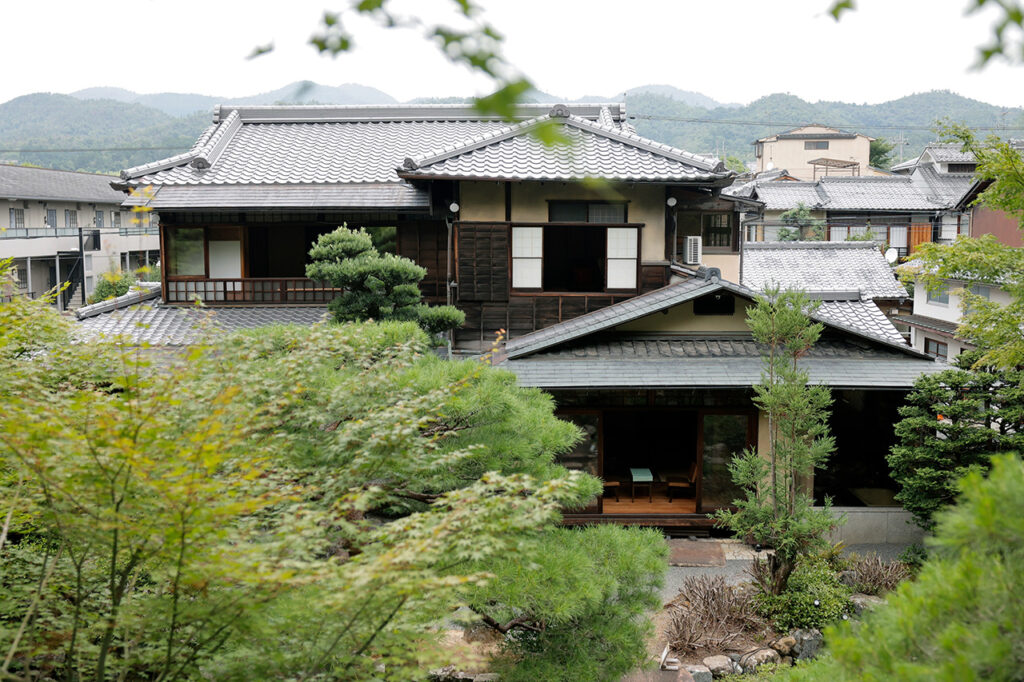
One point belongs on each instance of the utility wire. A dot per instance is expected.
(102, 149)
(776, 124)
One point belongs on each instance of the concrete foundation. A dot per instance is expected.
(874, 525)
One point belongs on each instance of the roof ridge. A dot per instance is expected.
(401, 112)
(208, 154)
(702, 162)
(471, 144)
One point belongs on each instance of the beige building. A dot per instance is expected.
(814, 151)
(62, 226)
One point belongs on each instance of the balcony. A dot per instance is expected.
(250, 290)
(36, 232)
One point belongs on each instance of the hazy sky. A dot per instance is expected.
(731, 50)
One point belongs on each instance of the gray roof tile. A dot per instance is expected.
(596, 151)
(22, 182)
(944, 188)
(159, 325)
(820, 267)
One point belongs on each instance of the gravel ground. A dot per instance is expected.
(738, 557)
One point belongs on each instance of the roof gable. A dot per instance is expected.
(861, 319)
(599, 150)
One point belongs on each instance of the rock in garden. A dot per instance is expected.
(720, 666)
(699, 673)
(784, 645)
(449, 673)
(753, 659)
(808, 643)
(864, 602)
(787, 660)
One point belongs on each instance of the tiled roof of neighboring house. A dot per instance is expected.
(925, 322)
(820, 266)
(863, 317)
(905, 165)
(596, 150)
(948, 153)
(746, 187)
(710, 362)
(860, 318)
(782, 196)
(895, 193)
(44, 184)
(944, 188)
(160, 325)
(347, 156)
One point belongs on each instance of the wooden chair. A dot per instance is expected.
(682, 484)
(613, 486)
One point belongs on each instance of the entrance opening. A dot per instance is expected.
(659, 445)
(574, 258)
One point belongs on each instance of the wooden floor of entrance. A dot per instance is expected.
(643, 504)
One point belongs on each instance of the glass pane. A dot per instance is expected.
(725, 436)
(622, 273)
(186, 252)
(607, 213)
(622, 242)
(526, 273)
(568, 212)
(527, 242)
(585, 456)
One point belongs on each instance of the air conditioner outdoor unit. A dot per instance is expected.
(693, 251)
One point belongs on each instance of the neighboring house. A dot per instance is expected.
(920, 204)
(61, 226)
(813, 151)
(936, 315)
(505, 226)
(616, 296)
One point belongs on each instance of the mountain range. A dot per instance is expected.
(119, 128)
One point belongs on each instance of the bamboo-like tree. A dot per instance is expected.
(777, 509)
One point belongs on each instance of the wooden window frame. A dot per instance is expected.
(542, 291)
(941, 348)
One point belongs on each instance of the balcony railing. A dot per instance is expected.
(905, 238)
(250, 290)
(31, 232)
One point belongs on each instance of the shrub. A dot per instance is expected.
(111, 285)
(813, 597)
(439, 319)
(874, 575)
(708, 615)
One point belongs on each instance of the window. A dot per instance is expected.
(979, 290)
(527, 257)
(51, 217)
(570, 258)
(941, 296)
(717, 231)
(816, 144)
(715, 304)
(936, 349)
(17, 218)
(115, 219)
(99, 219)
(586, 212)
(70, 218)
(621, 258)
(186, 252)
(88, 263)
(962, 167)
(759, 150)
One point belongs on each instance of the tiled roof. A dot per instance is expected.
(161, 325)
(347, 156)
(710, 362)
(926, 322)
(364, 195)
(44, 184)
(944, 188)
(905, 165)
(597, 150)
(820, 266)
(860, 318)
(894, 193)
(948, 153)
(782, 196)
